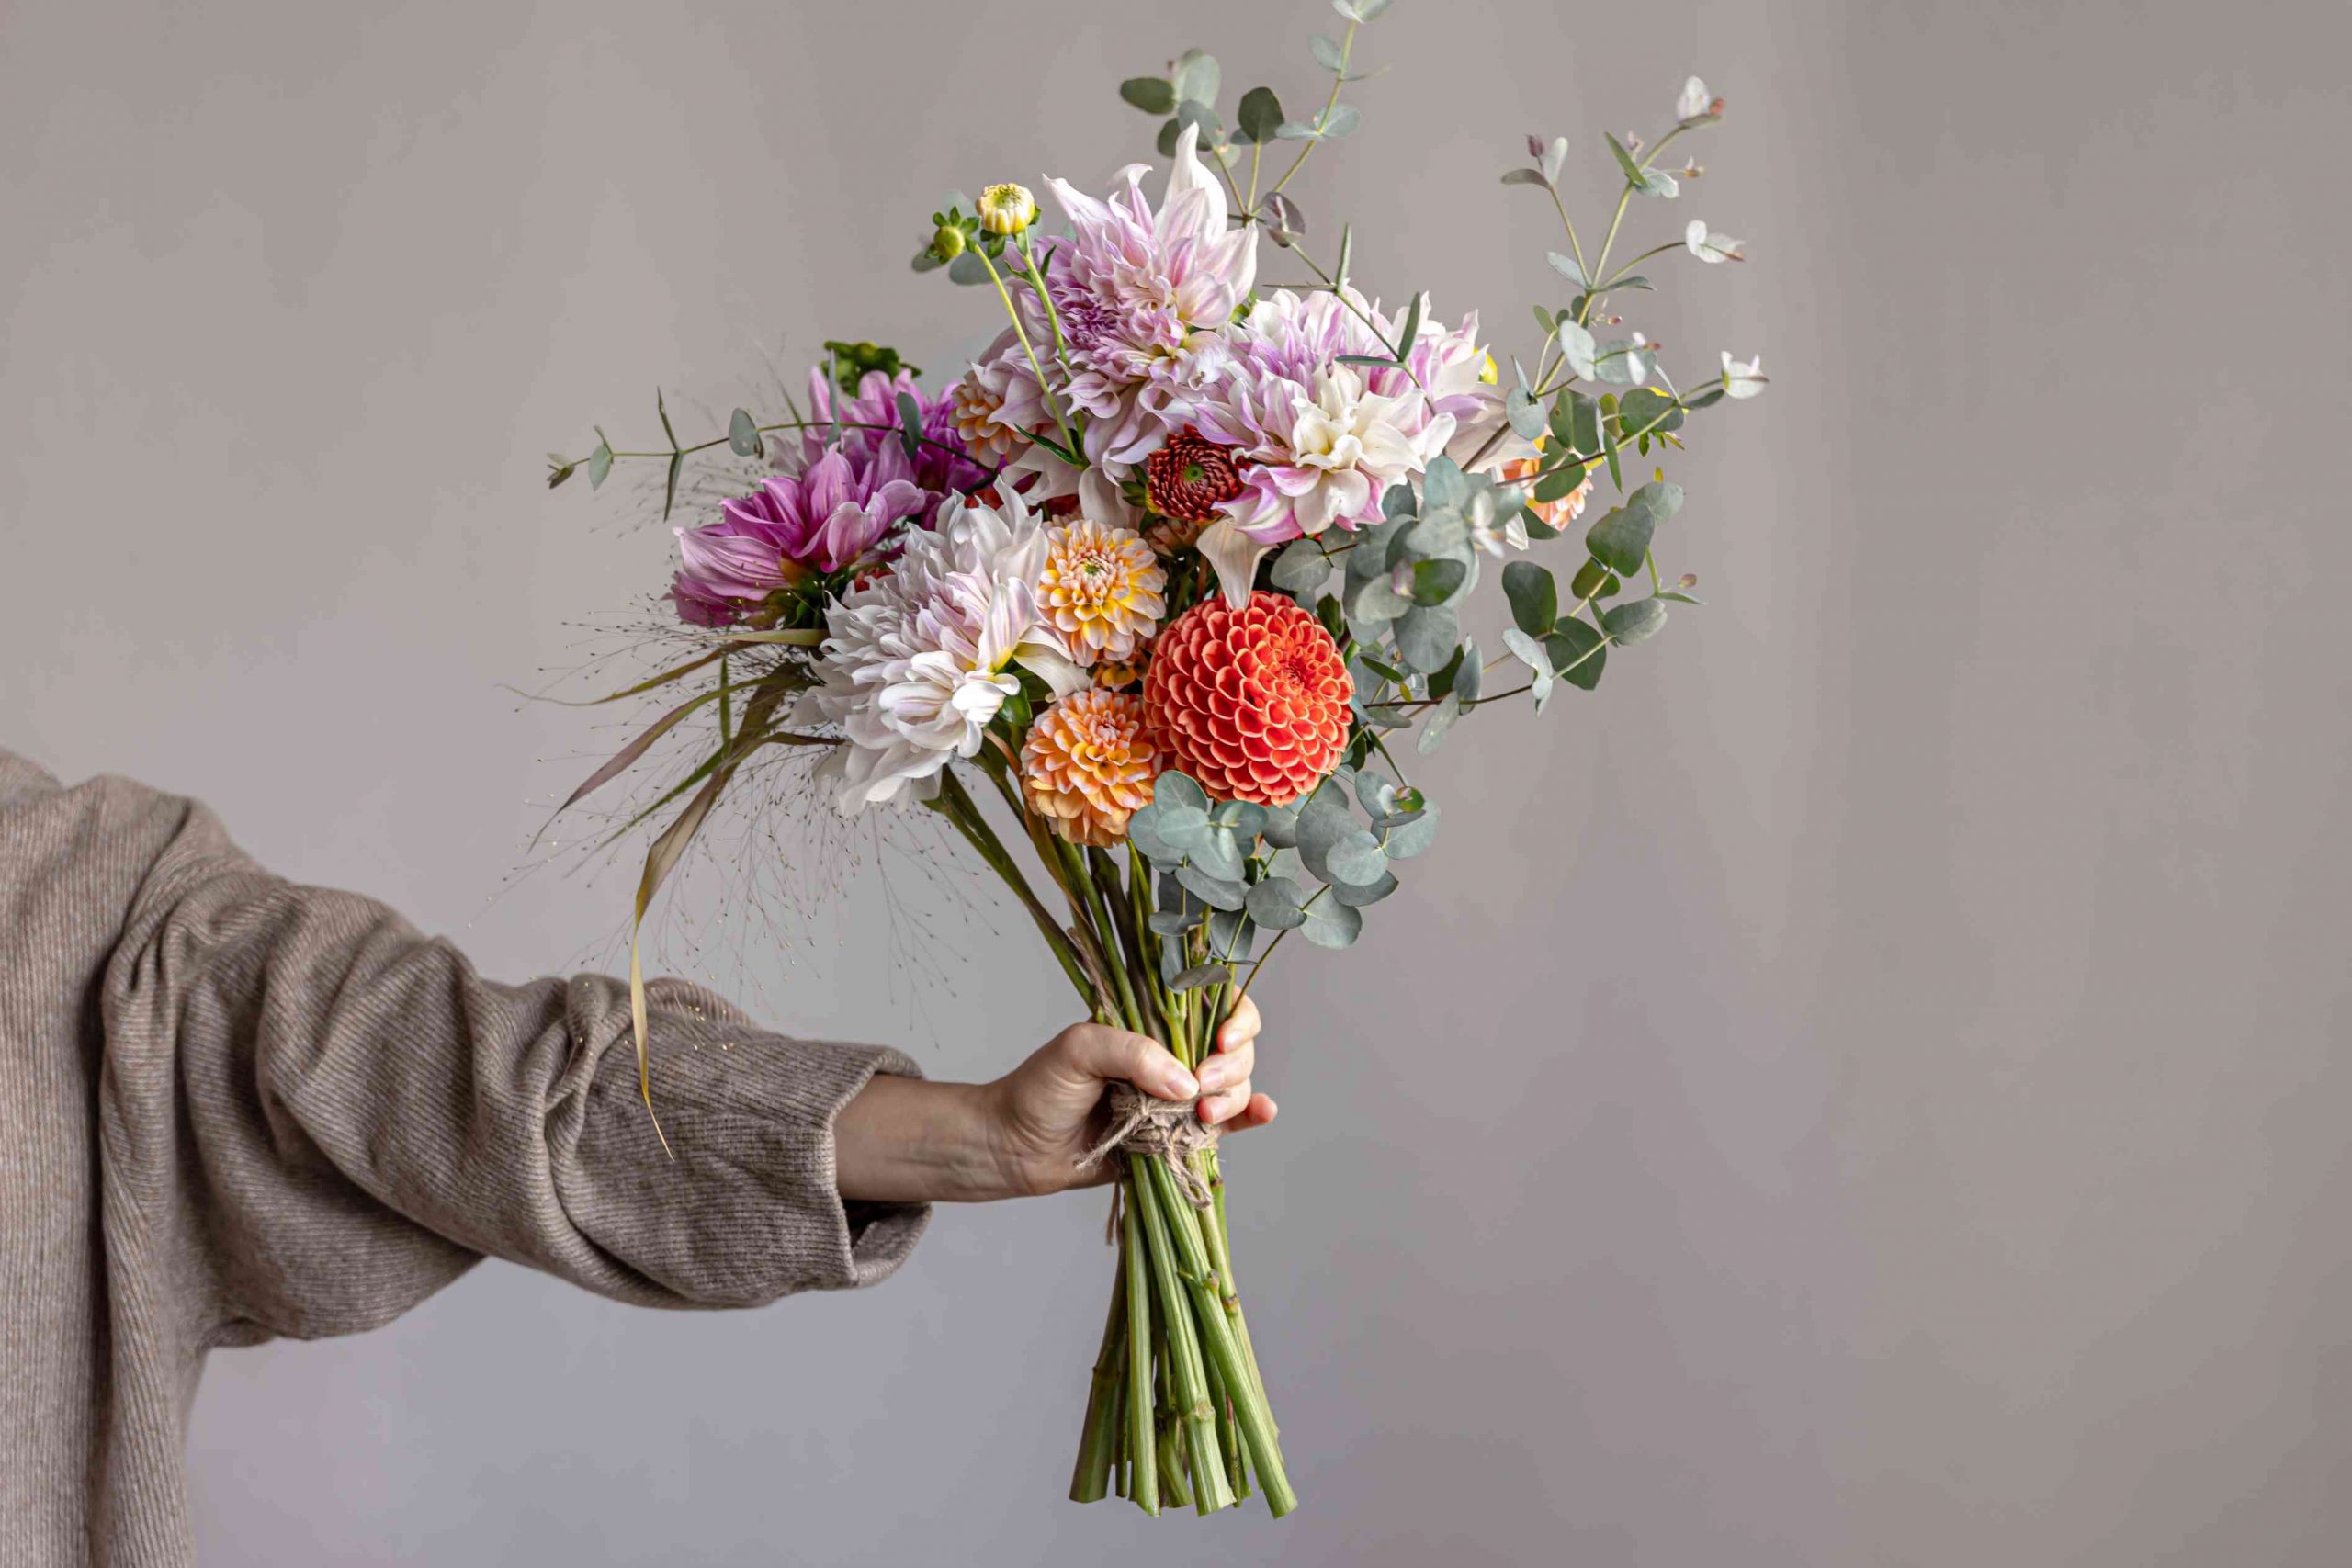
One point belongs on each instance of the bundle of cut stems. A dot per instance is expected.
(1177, 1413)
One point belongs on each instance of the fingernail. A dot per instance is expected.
(1180, 1084)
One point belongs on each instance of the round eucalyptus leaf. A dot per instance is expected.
(1356, 859)
(1172, 788)
(1636, 620)
(1357, 897)
(1276, 904)
(1172, 922)
(1427, 635)
(1231, 935)
(1200, 975)
(1217, 892)
(1215, 853)
(1281, 826)
(1402, 838)
(1330, 923)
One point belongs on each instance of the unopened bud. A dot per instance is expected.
(947, 242)
(1007, 209)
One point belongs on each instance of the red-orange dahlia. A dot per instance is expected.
(1251, 703)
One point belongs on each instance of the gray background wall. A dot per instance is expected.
(1867, 1087)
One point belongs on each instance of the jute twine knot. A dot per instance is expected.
(1162, 1130)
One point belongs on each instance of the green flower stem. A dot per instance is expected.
(1187, 1377)
(1097, 1449)
(1134, 1287)
(1069, 442)
(1216, 1337)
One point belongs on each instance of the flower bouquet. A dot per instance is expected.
(1144, 606)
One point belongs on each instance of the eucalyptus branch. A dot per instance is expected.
(1339, 77)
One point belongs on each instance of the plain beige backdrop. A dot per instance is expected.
(1869, 1086)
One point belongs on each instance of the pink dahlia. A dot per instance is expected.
(824, 520)
(868, 424)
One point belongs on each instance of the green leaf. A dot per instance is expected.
(1637, 620)
(1594, 581)
(1471, 679)
(599, 464)
(1644, 411)
(1326, 53)
(743, 434)
(1217, 892)
(1198, 77)
(1277, 904)
(1560, 482)
(1153, 94)
(1435, 581)
(559, 469)
(1441, 719)
(1356, 859)
(1621, 540)
(1330, 923)
(1534, 597)
(910, 424)
(1554, 156)
(1359, 10)
(1259, 116)
(1579, 653)
(1523, 177)
(1577, 348)
(1355, 895)
(1341, 120)
(1216, 852)
(1566, 267)
(1633, 176)
(1402, 838)
(1526, 415)
(1201, 974)
(1412, 327)
(1427, 635)
(670, 488)
(1576, 422)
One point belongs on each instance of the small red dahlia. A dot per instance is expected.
(1190, 478)
(1252, 703)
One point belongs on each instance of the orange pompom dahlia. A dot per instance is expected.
(1088, 765)
(1252, 703)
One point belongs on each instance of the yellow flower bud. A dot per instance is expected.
(947, 242)
(1007, 209)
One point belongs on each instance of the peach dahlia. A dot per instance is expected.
(1088, 765)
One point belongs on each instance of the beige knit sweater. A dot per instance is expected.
(231, 1108)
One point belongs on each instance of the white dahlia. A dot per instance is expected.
(917, 663)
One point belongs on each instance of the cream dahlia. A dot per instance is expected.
(1088, 765)
(1102, 590)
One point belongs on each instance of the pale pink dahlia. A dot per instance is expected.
(1141, 295)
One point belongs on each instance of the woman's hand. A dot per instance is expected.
(905, 1140)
